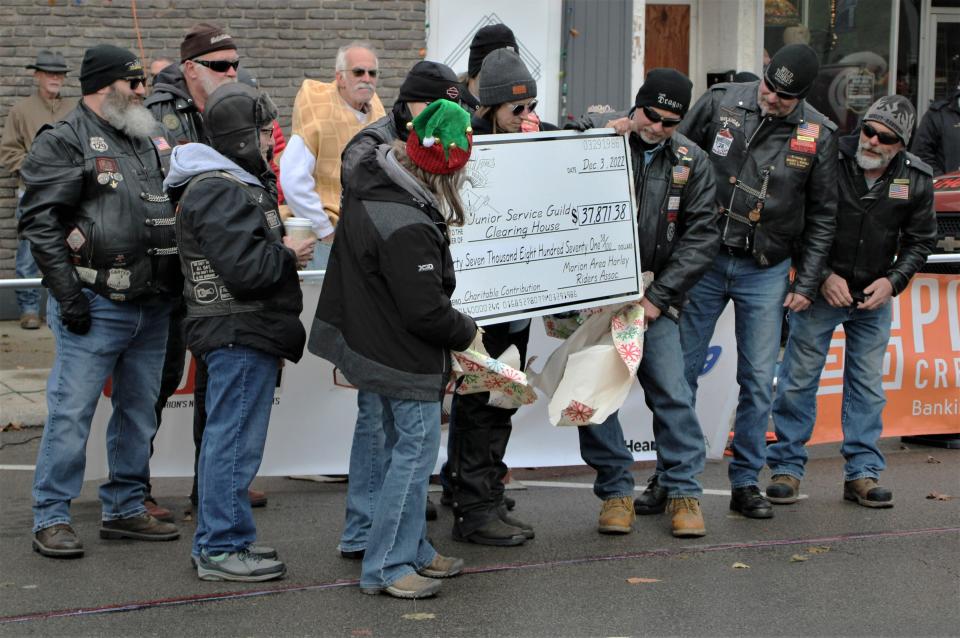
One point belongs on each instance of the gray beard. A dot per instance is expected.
(132, 119)
(210, 83)
(870, 163)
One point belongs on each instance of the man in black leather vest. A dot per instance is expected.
(886, 228)
(774, 157)
(101, 230)
(243, 302)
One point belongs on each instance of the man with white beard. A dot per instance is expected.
(101, 230)
(886, 228)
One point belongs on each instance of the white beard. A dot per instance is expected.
(132, 119)
(871, 163)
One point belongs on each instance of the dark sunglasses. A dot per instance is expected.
(655, 117)
(779, 94)
(219, 66)
(518, 109)
(358, 72)
(885, 138)
(136, 82)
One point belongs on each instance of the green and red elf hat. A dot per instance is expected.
(440, 138)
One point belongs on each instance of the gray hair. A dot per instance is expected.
(341, 61)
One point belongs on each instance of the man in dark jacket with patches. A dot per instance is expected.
(886, 228)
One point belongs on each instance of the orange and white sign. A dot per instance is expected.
(921, 369)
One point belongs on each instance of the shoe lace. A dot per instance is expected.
(245, 555)
(685, 502)
(625, 504)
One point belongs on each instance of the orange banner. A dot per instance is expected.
(921, 370)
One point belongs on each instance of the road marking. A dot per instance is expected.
(638, 488)
(28, 468)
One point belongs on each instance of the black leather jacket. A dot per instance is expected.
(95, 212)
(888, 230)
(172, 106)
(677, 218)
(937, 141)
(796, 155)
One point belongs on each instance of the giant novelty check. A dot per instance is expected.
(550, 226)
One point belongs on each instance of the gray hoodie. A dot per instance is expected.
(189, 160)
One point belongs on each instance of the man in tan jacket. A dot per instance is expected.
(326, 115)
(24, 120)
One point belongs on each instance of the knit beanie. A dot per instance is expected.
(792, 70)
(666, 89)
(440, 138)
(104, 64)
(429, 81)
(505, 78)
(204, 38)
(488, 39)
(896, 113)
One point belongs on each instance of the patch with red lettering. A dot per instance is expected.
(107, 165)
(803, 144)
(672, 216)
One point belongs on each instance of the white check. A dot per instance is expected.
(551, 226)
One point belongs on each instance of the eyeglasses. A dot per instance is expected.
(518, 109)
(779, 94)
(884, 138)
(655, 117)
(358, 72)
(136, 82)
(219, 66)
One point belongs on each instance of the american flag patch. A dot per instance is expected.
(161, 143)
(809, 128)
(681, 174)
(899, 191)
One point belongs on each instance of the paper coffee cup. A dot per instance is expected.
(299, 228)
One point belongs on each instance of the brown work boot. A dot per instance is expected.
(58, 541)
(258, 498)
(783, 489)
(410, 586)
(687, 518)
(442, 567)
(142, 528)
(617, 516)
(159, 513)
(30, 321)
(867, 492)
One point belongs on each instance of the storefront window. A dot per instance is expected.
(852, 39)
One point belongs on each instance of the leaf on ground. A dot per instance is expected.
(29, 586)
(420, 615)
(13, 426)
(638, 581)
(817, 549)
(7, 584)
(937, 496)
(932, 459)
(799, 558)
(739, 565)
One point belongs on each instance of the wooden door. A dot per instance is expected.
(667, 34)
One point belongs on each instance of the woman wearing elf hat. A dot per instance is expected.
(385, 319)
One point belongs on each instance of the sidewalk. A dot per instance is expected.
(25, 360)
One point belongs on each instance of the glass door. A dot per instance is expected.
(941, 73)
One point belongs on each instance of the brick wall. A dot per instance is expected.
(282, 41)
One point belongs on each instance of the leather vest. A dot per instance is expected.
(121, 238)
(204, 291)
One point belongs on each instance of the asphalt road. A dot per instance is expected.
(822, 567)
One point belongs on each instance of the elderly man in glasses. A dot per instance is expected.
(97, 219)
(775, 161)
(326, 115)
(886, 228)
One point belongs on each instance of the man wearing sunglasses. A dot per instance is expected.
(774, 158)
(886, 228)
(326, 115)
(676, 215)
(100, 226)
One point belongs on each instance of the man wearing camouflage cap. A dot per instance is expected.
(774, 157)
(886, 227)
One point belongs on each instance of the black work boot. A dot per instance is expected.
(749, 502)
(494, 532)
(652, 501)
(527, 529)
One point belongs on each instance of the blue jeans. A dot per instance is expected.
(240, 386)
(367, 460)
(757, 295)
(28, 299)
(127, 341)
(602, 447)
(398, 543)
(795, 409)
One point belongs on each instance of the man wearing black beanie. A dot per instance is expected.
(425, 82)
(100, 227)
(775, 159)
(676, 215)
(487, 40)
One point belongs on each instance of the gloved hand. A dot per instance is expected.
(75, 313)
(581, 124)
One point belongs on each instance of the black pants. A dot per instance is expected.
(477, 442)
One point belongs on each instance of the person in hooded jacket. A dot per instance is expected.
(385, 319)
(937, 141)
(243, 302)
(475, 471)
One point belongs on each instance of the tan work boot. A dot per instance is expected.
(687, 518)
(867, 492)
(442, 567)
(783, 489)
(617, 516)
